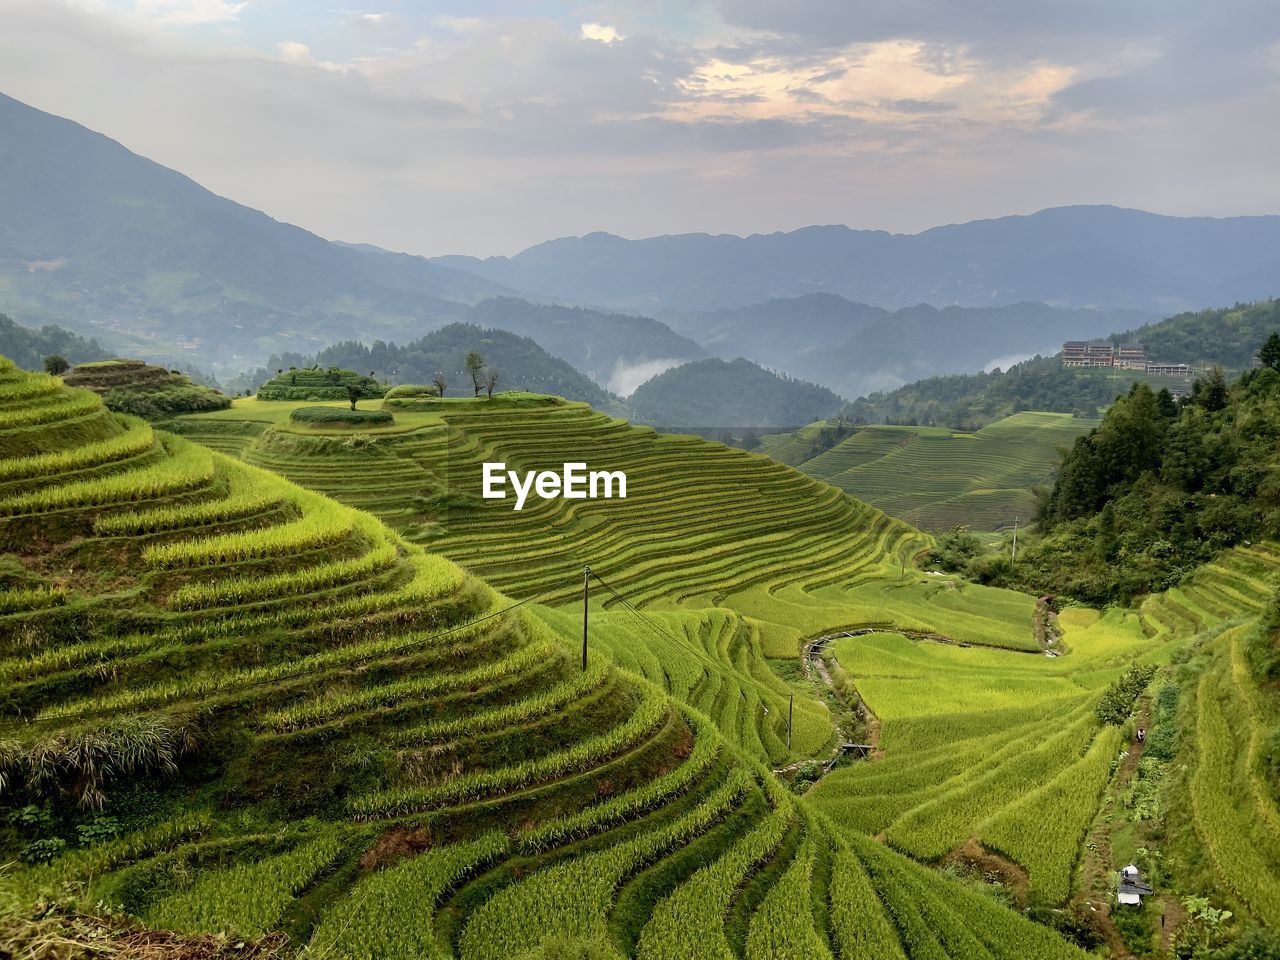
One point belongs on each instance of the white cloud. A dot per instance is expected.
(600, 32)
(487, 133)
(189, 12)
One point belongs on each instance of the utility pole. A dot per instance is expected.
(791, 710)
(1014, 557)
(586, 582)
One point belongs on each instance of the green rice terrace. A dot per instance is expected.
(301, 684)
(937, 478)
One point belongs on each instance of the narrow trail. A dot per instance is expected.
(1096, 867)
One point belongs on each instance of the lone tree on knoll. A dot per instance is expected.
(56, 365)
(475, 368)
(353, 394)
(491, 380)
(440, 381)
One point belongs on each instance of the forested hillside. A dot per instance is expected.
(1227, 337)
(27, 347)
(1157, 489)
(737, 393)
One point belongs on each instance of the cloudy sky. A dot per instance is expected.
(484, 126)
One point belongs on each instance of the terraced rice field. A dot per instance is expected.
(302, 721)
(1005, 748)
(937, 479)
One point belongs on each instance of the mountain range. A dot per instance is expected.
(113, 246)
(1079, 256)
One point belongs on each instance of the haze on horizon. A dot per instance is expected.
(484, 127)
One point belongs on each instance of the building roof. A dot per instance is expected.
(1136, 887)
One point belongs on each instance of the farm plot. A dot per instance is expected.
(936, 479)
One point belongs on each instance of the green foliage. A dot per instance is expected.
(43, 850)
(249, 898)
(315, 383)
(56, 364)
(336, 415)
(955, 549)
(734, 393)
(412, 390)
(81, 762)
(1116, 705)
(142, 390)
(1254, 943)
(28, 346)
(1145, 498)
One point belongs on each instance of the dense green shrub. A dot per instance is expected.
(314, 383)
(356, 418)
(412, 390)
(1116, 704)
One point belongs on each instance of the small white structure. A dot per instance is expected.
(1132, 888)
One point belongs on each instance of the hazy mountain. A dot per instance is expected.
(617, 351)
(855, 348)
(1082, 256)
(522, 364)
(105, 241)
(737, 393)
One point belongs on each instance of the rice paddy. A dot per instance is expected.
(321, 686)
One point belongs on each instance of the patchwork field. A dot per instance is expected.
(262, 675)
(936, 479)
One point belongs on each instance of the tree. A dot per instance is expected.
(353, 394)
(1270, 352)
(1211, 392)
(440, 381)
(491, 380)
(56, 365)
(475, 367)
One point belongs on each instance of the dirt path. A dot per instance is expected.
(1096, 868)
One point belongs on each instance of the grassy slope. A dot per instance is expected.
(981, 743)
(1029, 738)
(336, 700)
(936, 478)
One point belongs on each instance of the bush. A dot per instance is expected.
(354, 418)
(1116, 704)
(412, 390)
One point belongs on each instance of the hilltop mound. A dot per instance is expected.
(314, 383)
(137, 388)
(737, 393)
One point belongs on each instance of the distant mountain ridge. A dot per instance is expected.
(106, 242)
(855, 348)
(1103, 257)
